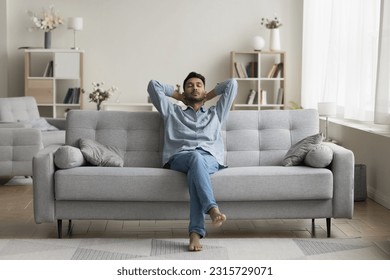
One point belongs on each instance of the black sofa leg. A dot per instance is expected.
(59, 228)
(70, 228)
(313, 224)
(328, 223)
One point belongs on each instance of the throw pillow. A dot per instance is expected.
(297, 153)
(101, 155)
(40, 123)
(320, 156)
(68, 157)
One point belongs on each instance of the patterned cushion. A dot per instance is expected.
(297, 153)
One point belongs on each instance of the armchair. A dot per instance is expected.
(23, 133)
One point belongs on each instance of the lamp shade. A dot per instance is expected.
(327, 108)
(75, 23)
(258, 43)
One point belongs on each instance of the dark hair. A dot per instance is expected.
(194, 75)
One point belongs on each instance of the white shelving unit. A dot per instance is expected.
(49, 75)
(261, 79)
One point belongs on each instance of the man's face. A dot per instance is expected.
(194, 90)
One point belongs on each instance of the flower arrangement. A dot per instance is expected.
(271, 23)
(99, 94)
(50, 19)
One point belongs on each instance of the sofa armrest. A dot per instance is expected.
(59, 123)
(343, 168)
(43, 185)
(17, 149)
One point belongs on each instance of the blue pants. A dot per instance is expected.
(198, 165)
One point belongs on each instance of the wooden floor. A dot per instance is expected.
(370, 221)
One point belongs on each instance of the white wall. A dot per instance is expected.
(127, 43)
(3, 49)
(373, 151)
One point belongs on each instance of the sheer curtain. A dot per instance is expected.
(382, 103)
(340, 48)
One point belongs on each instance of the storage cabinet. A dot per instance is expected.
(261, 80)
(55, 79)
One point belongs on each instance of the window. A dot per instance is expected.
(340, 51)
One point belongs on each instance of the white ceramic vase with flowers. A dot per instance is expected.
(273, 25)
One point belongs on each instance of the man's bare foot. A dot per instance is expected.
(217, 217)
(195, 242)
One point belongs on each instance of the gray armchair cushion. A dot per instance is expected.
(99, 154)
(68, 157)
(320, 156)
(297, 153)
(16, 109)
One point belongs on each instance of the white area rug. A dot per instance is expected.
(222, 248)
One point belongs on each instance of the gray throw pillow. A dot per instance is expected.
(68, 157)
(297, 153)
(320, 156)
(101, 155)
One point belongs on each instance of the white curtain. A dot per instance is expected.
(382, 103)
(340, 48)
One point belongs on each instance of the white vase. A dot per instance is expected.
(274, 42)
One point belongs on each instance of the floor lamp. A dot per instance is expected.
(75, 23)
(327, 109)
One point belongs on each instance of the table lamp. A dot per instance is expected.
(75, 23)
(327, 109)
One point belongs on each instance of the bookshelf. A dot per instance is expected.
(261, 79)
(55, 78)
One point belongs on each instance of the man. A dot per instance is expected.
(193, 143)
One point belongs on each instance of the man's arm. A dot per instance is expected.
(158, 93)
(228, 91)
(178, 95)
(210, 95)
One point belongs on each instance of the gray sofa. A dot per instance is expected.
(23, 133)
(255, 186)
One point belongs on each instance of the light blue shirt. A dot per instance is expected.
(188, 129)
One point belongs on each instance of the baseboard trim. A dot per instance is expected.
(378, 197)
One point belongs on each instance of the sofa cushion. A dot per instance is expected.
(320, 156)
(99, 154)
(157, 184)
(68, 157)
(297, 153)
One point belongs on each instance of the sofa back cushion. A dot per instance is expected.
(252, 138)
(262, 138)
(137, 134)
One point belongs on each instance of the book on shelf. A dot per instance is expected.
(72, 96)
(279, 98)
(263, 97)
(49, 69)
(251, 97)
(275, 70)
(251, 70)
(240, 70)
